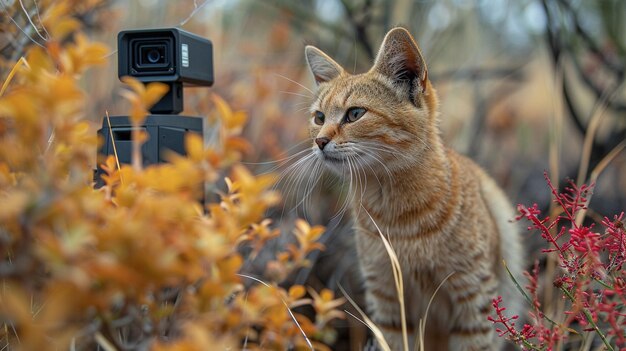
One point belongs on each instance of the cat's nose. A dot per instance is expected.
(321, 142)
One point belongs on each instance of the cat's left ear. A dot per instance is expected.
(323, 67)
(400, 59)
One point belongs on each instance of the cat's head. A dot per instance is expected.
(384, 117)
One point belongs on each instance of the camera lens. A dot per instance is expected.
(153, 56)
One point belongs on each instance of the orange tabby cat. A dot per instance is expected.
(441, 212)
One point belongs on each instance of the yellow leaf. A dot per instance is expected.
(327, 295)
(76, 58)
(39, 61)
(153, 93)
(141, 136)
(222, 107)
(135, 85)
(142, 97)
(12, 204)
(58, 21)
(194, 144)
(229, 267)
(296, 291)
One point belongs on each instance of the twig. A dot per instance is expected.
(360, 26)
(591, 44)
(30, 20)
(4, 9)
(594, 124)
(480, 73)
(193, 13)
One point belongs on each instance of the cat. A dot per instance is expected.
(441, 213)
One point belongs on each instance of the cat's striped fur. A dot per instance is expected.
(441, 212)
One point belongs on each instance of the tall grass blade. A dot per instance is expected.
(594, 124)
(606, 160)
(397, 276)
(422, 322)
(378, 334)
(117, 159)
(104, 343)
(21, 62)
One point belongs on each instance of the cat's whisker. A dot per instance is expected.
(279, 162)
(303, 178)
(299, 84)
(356, 179)
(345, 198)
(364, 162)
(294, 165)
(353, 191)
(311, 185)
(292, 177)
(373, 155)
(303, 109)
(384, 148)
(304, 103)
(293, 93)
(361, 170)
(293, 182)
(407, 160)
(361, 177)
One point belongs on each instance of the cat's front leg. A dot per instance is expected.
(384, 307)
(471, 329)
(381, 295)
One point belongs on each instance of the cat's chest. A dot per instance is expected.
(417, 242)
(413, 253)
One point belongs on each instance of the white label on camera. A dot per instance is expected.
(185, 54)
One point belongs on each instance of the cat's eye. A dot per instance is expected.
(318, 117)
(354, 113)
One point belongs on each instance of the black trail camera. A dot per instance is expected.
(171, 56)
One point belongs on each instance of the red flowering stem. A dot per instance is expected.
(509, 326)
(531, 215)
(590, 320)
(523, 292)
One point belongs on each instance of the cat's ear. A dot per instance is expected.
(323, 67)
(400, 59)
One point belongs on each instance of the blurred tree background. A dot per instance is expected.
(525, 86)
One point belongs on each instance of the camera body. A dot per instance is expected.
(165, 55)
(168, 55)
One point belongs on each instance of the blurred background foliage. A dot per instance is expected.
(525, 86)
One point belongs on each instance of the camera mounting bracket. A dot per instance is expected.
(171, 102)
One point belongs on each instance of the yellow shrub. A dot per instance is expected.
(138, 261)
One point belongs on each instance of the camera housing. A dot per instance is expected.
(169, 55)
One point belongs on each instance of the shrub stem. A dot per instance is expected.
(590, 320)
